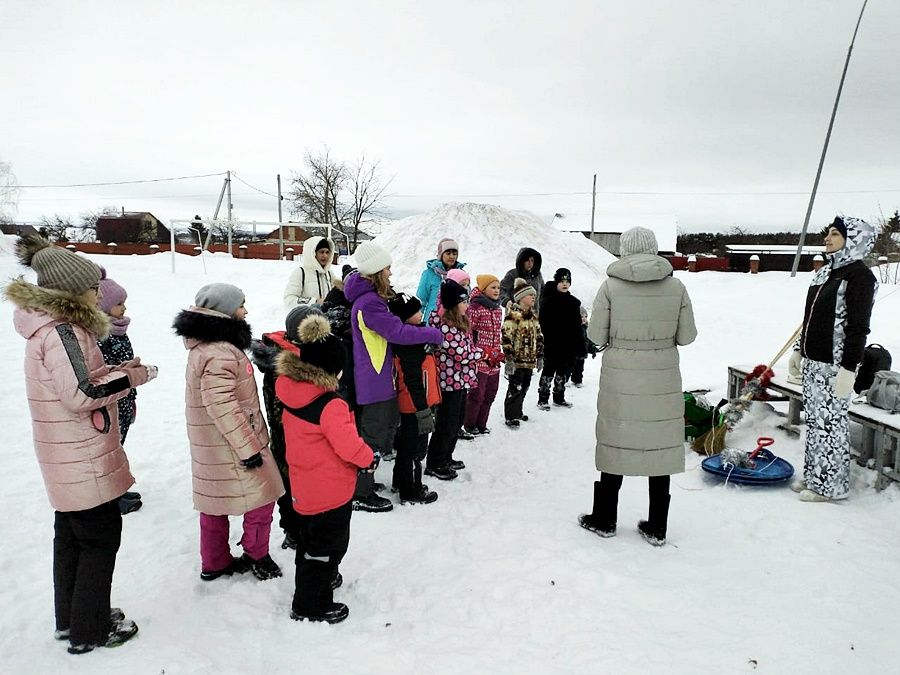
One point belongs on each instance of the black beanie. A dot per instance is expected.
(452, 294)
(839, 225)
(404, 306)
(295, 316)
(345, 270)
(319, 347)
(323, 243)
(562, 274)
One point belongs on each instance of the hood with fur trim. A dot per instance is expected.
(292, 366)
(38, 306)
(198, 325)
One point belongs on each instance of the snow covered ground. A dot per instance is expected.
(496, 576)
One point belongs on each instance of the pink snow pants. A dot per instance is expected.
(479, 400)
(215, 553)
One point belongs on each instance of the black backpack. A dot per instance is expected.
(312, 411)
(875, 358)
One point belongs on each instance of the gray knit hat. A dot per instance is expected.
(56, 267)
(223, 298)
(638, 240)
(371, 258)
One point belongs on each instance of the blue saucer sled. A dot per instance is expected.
(760, 467)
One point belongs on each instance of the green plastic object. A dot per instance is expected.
(698, 419)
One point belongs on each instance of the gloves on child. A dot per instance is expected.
(510, 368)
(843, 383)
(425, 420)
(795, 367)
(137, 372)
(253, 461)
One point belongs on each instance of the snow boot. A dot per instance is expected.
(421, 496)
(236, 566)
(544, 385)
(128, 504)
(483, 430)
(798, 485)
(602, 518)
(512, 424)
(559, 391)
(808, 495)
(464, 434)
(588, 523)
(456, 464)
(115, 615)
(523, 418)
(120, 632)
(336, 613)
(373, 503)
(442, 472)
(337, 581)
(653, 530)
(264, 568)
(289, 542)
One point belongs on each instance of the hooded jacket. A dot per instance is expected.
(72, 396)
(839, 302)
(486, 317)
(560, 320)
(324, 458)
(224, 422)
(310, 281)
(374, 328)
(430, 282)
(643, 313)
(533, 277)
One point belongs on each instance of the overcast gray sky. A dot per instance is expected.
(458, 99)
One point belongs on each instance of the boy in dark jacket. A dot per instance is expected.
(417, 391)
(324, 453)
(560, 319)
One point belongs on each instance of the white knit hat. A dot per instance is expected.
(638, 240)
(371, 258)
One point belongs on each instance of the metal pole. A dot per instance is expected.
(172, 244)
(593, 205)
(228, 207)
(812, 197)
(215, 214)
(280, 226)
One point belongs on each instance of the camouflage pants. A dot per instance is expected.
(826, 460)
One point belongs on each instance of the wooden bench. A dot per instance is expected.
(880, 429)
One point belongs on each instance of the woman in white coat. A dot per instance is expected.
(312, 280)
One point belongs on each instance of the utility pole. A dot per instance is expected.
(228, 207)
(812, 197)
(593, 205)
(280, 226)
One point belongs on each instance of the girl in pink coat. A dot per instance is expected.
(72, 396)
(234, 473)
(486, 317)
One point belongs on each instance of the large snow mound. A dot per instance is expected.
(489, 238)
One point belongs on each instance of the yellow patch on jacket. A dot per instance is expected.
(376, 346)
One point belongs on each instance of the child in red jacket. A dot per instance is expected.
(323, 452)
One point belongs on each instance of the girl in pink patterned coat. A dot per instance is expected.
(486, 317)
(457, 359)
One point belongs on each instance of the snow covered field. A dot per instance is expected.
(496, 576)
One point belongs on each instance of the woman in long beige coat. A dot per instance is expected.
(233, 470)
(642, 314)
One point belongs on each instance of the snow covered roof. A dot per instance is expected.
(664, 226)
(772, 249)
(489, 238)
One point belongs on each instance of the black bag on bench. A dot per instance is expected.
(875, 358)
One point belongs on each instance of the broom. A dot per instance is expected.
(713, 441)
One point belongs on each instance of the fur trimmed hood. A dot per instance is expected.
(35, 301)
(290, 365)
(198, 325)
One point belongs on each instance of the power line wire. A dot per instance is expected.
(641, 193)
(253, 187)
(123, 182)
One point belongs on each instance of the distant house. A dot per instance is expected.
(296, 233)
(137, 227)
(18, 230)
(608, 228)
(772, 257)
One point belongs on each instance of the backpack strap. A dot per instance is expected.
(312, 412)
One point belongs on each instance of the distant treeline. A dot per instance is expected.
(714, 242)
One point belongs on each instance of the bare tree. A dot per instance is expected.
(366, 190)
(315, 194)
(56, 227)
(9, 192)
(330, 192)
(86, 230)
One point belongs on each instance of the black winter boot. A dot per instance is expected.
(653, 530)
(602, 519)
(544, 385)
(559, 392)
